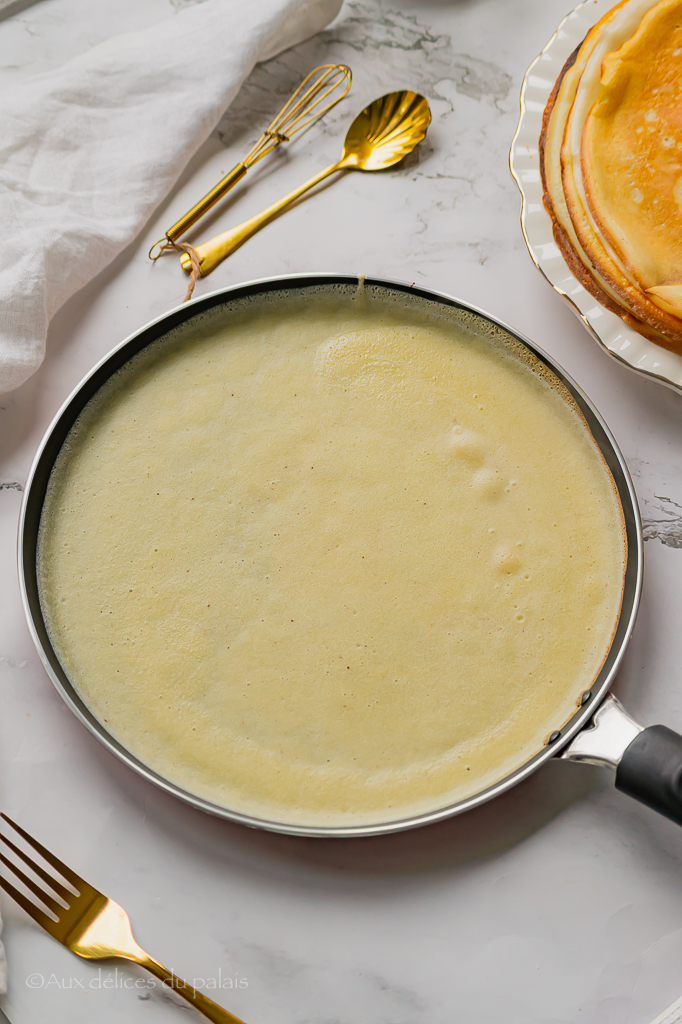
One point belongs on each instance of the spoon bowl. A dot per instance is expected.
(386, 131)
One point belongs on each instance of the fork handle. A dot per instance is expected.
(213, 252)
(196, 999)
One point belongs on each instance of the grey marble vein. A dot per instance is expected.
(668, 529)
(461, 164)
(427, 63)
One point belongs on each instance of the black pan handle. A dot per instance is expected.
(650, 770)
(647, 762)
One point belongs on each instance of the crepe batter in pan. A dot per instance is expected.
(332, 560)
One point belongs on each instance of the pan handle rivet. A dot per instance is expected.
(585, 696)
(554, 736)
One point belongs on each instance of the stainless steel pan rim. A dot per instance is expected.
(62, 422)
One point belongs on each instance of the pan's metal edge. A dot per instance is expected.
(568, 731)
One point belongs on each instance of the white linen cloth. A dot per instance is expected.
(87, 151)
(673, 1015)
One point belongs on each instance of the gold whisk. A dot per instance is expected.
(310, 102)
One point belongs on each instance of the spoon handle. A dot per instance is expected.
(211, 253)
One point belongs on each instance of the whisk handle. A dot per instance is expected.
(209, 200)
(213, 252)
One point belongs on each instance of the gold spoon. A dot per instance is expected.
(386, 131)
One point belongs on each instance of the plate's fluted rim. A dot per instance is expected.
(613, 334)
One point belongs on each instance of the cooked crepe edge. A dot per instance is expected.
(579, 267)
(551, 173)
(644, 314)
(599, 255)
(598, 212)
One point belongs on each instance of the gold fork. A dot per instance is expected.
(88, 923)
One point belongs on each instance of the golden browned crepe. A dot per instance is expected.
(632, 155)
(579, 145)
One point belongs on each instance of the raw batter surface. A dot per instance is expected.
(331, 560)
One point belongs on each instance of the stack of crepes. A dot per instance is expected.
(611, 160)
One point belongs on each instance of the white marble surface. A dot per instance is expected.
(560, 903)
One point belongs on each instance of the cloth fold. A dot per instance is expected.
(87, 151)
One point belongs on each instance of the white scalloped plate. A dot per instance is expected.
(619, 340)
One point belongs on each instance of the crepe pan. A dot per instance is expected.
(647, 762)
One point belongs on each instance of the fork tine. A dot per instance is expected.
(63, 870)
(54, 905)
(60, 889)
(29, 906)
